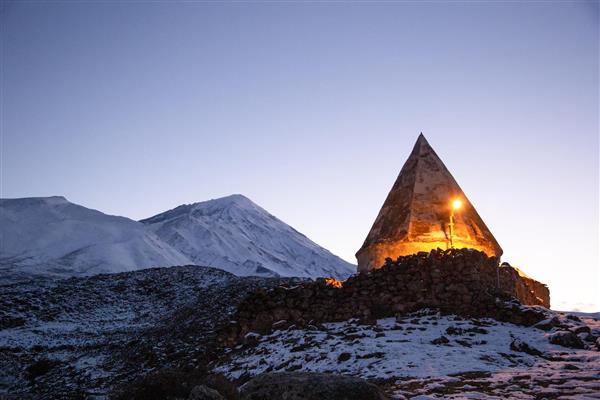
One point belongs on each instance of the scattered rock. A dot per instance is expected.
(280, 325)
(344, 357)
(452, 330)
(566, 339)
(520, 346)
(202, 392)
(160, 384)
(481, 331)
(587, 337)
(591, 338)
(377, 354)
(40, 367)
(252, 338)
(440, 340)
(7, 322)
(308, 386)
(301, 347)
(548, 324)
(582, 329)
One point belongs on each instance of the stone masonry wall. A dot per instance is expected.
(463, 282)
(526, 290)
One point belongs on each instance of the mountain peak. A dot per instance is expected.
(235, 197)
(237, 235)
(232, 199)
(50, 200)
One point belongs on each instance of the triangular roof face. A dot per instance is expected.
(416, 214)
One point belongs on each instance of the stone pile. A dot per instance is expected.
(460, 281)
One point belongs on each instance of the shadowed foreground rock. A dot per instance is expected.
(202, 392)
(309, 386)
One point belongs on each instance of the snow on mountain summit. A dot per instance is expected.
(209, 206)
(52, 236)
(235, 234)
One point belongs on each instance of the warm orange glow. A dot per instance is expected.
(375, 257)
(333, 282)
(456, 204)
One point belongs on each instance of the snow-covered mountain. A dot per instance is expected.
(238, 236)
(55, 237)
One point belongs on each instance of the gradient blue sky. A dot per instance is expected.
(310, 110)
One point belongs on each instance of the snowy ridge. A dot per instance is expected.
(238, 236)
(51, 236)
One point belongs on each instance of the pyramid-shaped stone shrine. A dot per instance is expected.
(416, 215)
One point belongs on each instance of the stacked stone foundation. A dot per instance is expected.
(465, 282)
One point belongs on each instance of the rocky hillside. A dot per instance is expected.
(154, 334)
(89, 335)
(435, 356)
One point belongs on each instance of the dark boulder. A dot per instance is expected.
(202, 392)
(520, 346)
(308, 386)
(548, 324)
(280, 325)
(567, 339)
(582, 329)
(440, 340)
(41, 367)
(344, 357)
(252, 338)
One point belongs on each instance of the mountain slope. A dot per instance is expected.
(97, 332)
(50, 235)
(53, 236)
(238, 236)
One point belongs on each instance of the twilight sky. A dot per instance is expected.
(311, 110)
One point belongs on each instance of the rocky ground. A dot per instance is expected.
(428, 355)
(83, 337)
(457, 281)
(153, 334)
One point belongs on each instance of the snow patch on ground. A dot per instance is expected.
(474, 358)
(88, 326)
